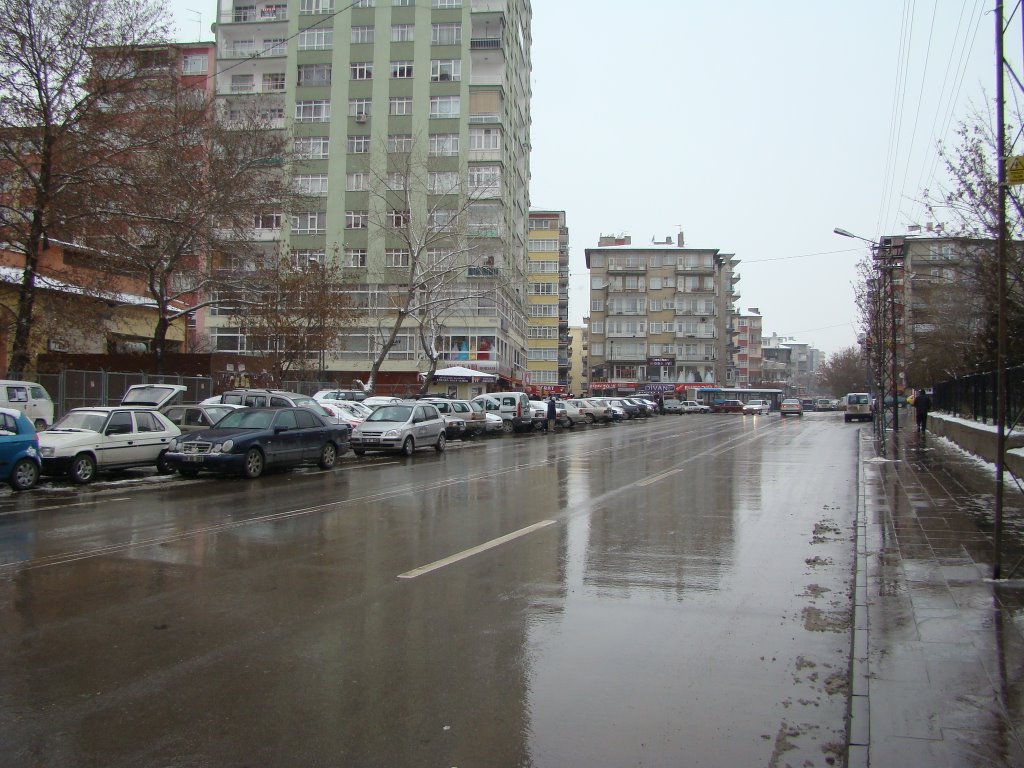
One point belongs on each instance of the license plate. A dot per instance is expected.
(196, 459)
(370, 440)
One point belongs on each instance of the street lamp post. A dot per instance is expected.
(887, 258)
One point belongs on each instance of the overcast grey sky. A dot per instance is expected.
(754, 126)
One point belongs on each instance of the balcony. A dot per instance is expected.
(485, 44)
(248, 15)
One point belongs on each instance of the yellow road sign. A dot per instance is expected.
(1015, 169)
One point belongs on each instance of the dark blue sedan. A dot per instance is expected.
(251, 440)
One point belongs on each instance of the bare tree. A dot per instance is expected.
(52, 128)
(295, 313)
(843, 371)
(197, 187)
(426, 220)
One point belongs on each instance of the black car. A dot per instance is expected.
(250, 440)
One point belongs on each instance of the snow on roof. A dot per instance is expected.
(14, 275)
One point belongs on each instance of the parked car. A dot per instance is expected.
(858, 407)
(672, 405)
(378, 400)
(539, 413)
(806, 404)
(272, 398)
(791, 407)
(513, 407)
(568, 414)
(643, 407)
(20, 464)
(251, 440)
(192, 418)
(404, 427)
(454, 413)
(29, 398)
(823, 404)
(694, 406)
(340, 394)
(727, 406)
(756, 407)
(629, 410)
(349, 412)
(85, 441)
(594, 411)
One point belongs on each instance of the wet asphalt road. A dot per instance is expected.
(672, 592)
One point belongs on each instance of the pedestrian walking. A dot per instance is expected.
(922, 404)
(552, 415)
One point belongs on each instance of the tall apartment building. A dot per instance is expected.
(748, 356)
(579, 349)
(660, 315)
(548, 303)
(444, 84)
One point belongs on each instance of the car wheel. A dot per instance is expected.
(507, 426)
(163, 466)
(409, 446)
(328, 456)
(188, 472)
(591, 418)
(24, 475)
(83, 469)
(39, 424)
(253, 466)
(442, 441)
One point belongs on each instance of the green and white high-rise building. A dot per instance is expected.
(445, 83)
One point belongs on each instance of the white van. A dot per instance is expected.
(29, 398)
(513, 407)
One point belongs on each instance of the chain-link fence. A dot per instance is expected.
(974, 397)
(74, 389)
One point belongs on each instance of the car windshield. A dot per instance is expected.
(245, 418)
(857, 399)
(90, 420)
(391, 413)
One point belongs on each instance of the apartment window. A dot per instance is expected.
(442, 220)
(355, 257)
(316, 39)
(361, 70)
(442, 182)
(446, 34)
(316, 111)
(362, 3)
(357, 181)
(597, 305)
(314, 74)
(314, 184)
(401, 70)
(396, 257)
(357, 219)
(194, 64)
(547, 268)
(444, 106)
(301, 259)
(403, 3)
(402, 33)
(358, 107)
(445, 3)
(533, 244)
(275, 46)
(273, 82)
(307, 7)
(362, 34)
(400, 105)
(399, 218)
(543, 310)
(400, 142)
(243, 83)
(395, 181)
(488, 178)
(445, 69)
(543, 289)
(444, 144)
(358, 145)
(244, 13)
(310, 223)
(267, 221)
(544, 224)
(490, 138)
(597, 328)
(312, 147)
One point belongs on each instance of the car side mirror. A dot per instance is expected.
(279, 429)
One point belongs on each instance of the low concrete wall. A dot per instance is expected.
(979, 439)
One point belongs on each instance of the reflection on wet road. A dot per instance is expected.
(671, 592)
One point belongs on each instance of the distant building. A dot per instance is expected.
(660, 315)
(748, 357)
(547, 300)
(579, 370)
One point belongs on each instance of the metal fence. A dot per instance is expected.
(974, 397)
(74, 389)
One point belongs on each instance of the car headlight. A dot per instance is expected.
(222, 447)
(47, 452)
(392, 433)
(173, 445)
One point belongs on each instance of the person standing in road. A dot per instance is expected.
(552, 415)
(922, 404)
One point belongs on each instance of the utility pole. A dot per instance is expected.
(1001, 323)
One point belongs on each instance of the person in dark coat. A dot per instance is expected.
(552, 415)
(922, 404)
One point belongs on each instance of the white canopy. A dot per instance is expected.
(460, 372)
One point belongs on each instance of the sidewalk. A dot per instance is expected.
(938, 671)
